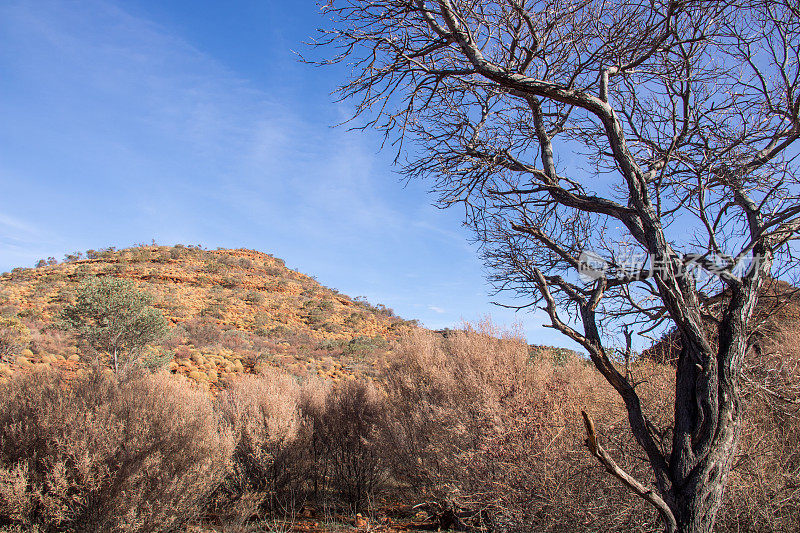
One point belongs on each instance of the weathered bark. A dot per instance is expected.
(699, 473)
(697, 502)
(708, 408)
(692, 505)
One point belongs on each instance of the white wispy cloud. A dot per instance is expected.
(179, 143)
(9, 224)
(116, 130)
(20, 240)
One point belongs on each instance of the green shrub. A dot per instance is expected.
(378, 309)
(354, 319)
(30, 312)
(317, 312)
(227, 260)
(83, 271)
(330, 345)
(163, 257)
(213, 310)
(254, 298)
(363, 345)
(19, 273)
(280, 331)
(274, 271)
(140, 255)
(54, 277)
(212, 267)
(177, 251)
(230, 282)
(155, 358)
(331, 327)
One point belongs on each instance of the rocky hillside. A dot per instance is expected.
(232, 312)
(777, 311)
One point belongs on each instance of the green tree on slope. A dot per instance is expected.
(112, 315)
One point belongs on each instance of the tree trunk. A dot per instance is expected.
(707, 422)
(696, 503)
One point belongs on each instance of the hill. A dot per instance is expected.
(777, 311)
(231, 311)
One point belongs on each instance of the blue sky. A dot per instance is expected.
(194, 123)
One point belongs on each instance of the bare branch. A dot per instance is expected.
(613, 468)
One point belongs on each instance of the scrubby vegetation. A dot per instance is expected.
(89, 453)
(248, 426)
(476, 424)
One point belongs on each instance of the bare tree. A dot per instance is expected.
(651, 129)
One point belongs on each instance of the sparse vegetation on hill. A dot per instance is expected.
(230, 312)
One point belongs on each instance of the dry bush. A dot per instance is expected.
(235, 339)
(173, 339)
(202, 331)
(93, 454)
(267, 470)
(482, 424)
(46, 339)
(14, 336)
(312, 405)
(177, 252)
(476, 419)
(349, 442)
(293, 442)
(763, 493)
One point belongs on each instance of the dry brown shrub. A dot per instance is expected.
(49, 340)
(481, 423)
(475, 418)
(349, 443)
(267, 470)
(236, 340)
(92, 454)
(202, 331)
(312, 405)
(14, 336)
(763, 492)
